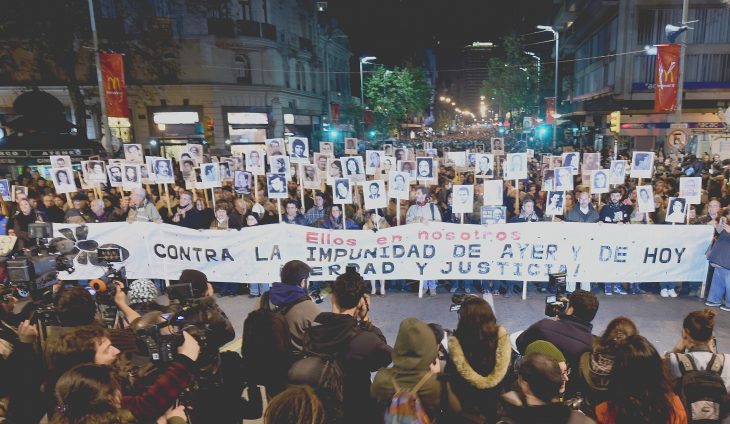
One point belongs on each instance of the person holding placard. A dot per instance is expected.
(292, 214)
(614, 212)
(336, 221)
(423, 211)
(318, 211)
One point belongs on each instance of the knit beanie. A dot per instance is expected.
(546, 348)
(142, 291)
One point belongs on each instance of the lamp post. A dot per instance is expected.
(556, 36)
(364, 60)
(537, 58)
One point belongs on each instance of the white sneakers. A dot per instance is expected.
(668, 293)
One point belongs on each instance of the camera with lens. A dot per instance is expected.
(457, 299)
(556, 304)
(103, 288)
(36, 269)
(159, 344)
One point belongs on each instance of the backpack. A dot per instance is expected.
(322, 371)
(267, 348)
(405, 406)
(702, 391)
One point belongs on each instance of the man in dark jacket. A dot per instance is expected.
(290, 298)
(583, 211)
(53, 212)
(537, 399)
(614, 212)
(349, 335)
(570, 332)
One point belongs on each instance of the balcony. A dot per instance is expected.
(256, 29)
(221, 27)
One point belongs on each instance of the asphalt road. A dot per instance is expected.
(659, 319)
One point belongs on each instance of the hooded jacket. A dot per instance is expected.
(552, 413)
(300, 316)
(414, 351)
(361, 348)
(479, 393)
(570, 335)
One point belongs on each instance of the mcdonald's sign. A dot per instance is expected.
(666, 78)
(115, 89)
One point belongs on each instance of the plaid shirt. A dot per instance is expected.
(160, 396)
(313, 215)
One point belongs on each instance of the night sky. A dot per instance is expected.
(395, 30)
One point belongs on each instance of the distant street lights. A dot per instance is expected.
(556, 36)
(537, 58)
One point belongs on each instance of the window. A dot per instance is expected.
(245, 10)
(301, 82)
(108, 8)
(242, 69)
(161, 8)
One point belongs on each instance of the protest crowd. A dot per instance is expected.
(299, 364)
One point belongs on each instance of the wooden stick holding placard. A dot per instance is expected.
(278, 207)
(207, 201)
(212, 198)
(167, 201)
(301, 185)
(517, 196)
(255, 189)
(397, 211)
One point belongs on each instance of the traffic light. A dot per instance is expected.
(616, 122)
(209, 129)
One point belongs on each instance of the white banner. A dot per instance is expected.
(522, 252)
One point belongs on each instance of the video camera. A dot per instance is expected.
(458, 299)
(160, 341)
(556, 304)
(36, 269)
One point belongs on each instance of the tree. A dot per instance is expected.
(49, 43)
(396, 95)
(511, 84)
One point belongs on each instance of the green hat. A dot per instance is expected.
(546, 348)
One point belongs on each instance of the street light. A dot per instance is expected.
(537, 58)
(363, 60)
(556, 36)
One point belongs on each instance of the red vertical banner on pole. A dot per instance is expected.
(115, 88)
(666, 78)
(335, 112)
(368, 118)
(549, 110)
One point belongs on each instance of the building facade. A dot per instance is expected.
(244, 70)
(607, 65)
(474, 60)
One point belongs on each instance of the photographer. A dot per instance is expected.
(290, 298)
(359, 347)
(570, 331)
(91, 344)
(21, 375)
(536, 401)
(219, 382)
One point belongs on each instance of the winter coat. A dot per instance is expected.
(570, 335)
(576, 215)
(300, 316)
(478, 393)
(145, 213)
(516, 412)
(414, 351)
(362, 349)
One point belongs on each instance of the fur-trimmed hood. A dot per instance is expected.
(501, 363)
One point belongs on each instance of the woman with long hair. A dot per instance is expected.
(90, 394)
(594, 372)
(639, 391)
(480, 354)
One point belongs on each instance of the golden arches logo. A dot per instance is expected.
(113, 83)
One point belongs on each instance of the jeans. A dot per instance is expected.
(720, 286)
(397, 285)
(227, 288)
(462, 285)
(668, 286)
(257, 289)
(429, 284)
